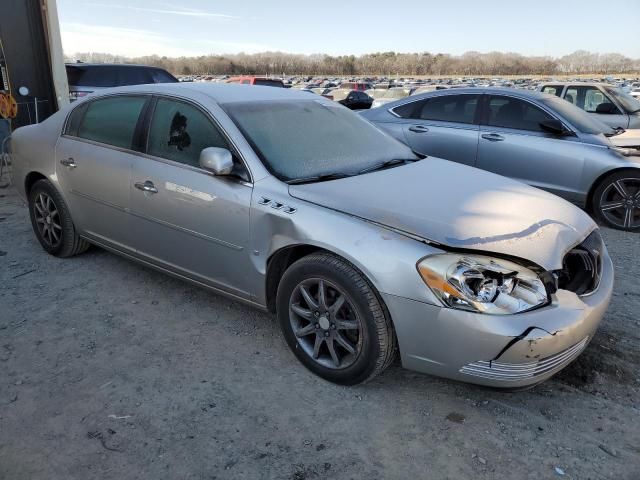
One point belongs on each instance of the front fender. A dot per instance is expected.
(388, 259)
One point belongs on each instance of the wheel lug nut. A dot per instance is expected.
(317, 314)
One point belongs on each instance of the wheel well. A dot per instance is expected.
(278, 264)
(596, 183)
(32, 178)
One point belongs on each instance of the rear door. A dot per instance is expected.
(442, 126)
(187, 219)
(590, 98)
(94, 157)
(513, 144)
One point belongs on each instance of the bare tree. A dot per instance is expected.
(381, 63)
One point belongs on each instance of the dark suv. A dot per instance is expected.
(85, 78)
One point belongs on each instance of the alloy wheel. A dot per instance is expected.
(620, 203)
(326, 324)
(47, 220)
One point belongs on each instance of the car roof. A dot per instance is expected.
(586, 84)
(219, 92)
(532, 94)
(100, 65)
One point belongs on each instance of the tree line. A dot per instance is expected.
(384, 63)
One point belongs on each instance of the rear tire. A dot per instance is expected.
(333, 320)
(52, 222)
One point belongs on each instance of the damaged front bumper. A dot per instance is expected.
(510, 351)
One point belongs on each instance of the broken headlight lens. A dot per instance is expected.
(482, 284)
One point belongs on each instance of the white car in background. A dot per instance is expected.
(391, 95)
(607, 103)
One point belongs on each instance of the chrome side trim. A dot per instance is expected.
(161, 222)
(140, 260)
(187, 231)
(523, 371)
(102, 202)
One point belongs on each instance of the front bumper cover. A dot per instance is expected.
(508, 351)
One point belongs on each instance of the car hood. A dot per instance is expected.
(460, 207)
(627, 139)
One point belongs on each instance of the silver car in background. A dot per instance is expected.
(360, 246)
(529, 136)
(609, 104)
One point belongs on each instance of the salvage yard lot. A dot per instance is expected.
(112, 370)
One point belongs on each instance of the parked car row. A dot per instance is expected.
(360, 243)
(612, 104)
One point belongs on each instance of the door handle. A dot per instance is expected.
(492, 137)
(69, 162)
(418, 129)
(147, 186)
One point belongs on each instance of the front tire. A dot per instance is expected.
(616, 200)
(52, 222)
(333, 320)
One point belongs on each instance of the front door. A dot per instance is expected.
(186, 219)
(513, 144)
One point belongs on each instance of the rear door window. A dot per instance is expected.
(509, 112)
(445, 108)
(112, 120)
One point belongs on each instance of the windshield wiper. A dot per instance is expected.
(318, 178)
(387, 164)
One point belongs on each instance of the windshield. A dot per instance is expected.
(311, 138)
(577, 117)
(630, 104)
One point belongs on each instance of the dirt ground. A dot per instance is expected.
(109, 370)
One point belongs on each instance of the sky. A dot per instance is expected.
(200, 27)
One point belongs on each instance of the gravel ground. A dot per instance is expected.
(111, 370)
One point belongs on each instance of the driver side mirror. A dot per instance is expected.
(555, 127)
(217, 160)
(606, 107)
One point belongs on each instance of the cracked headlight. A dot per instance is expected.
(482, 284)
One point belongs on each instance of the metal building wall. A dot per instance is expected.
(24, 37)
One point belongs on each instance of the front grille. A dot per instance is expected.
(522, 371)
(582, 266)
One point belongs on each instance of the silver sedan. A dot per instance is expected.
(298, 206)
(529, 136)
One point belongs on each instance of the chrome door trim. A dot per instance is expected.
(102, 202)
(186, 230)
(185, 166)
(156, 266)
(161, 222)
